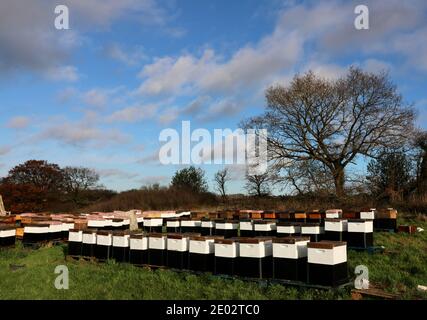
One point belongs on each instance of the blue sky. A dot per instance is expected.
(99, 94)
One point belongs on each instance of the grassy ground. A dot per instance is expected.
(399, 269)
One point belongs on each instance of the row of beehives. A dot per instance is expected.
(357, 232)
(288, 258)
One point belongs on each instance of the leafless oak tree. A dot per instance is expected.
(333, 121)
(220, 179)
(260, 184)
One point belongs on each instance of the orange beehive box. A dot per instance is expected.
(270, 215)
(19, 233)
(350, 215)
(300, 215)
(256, 215)
(315, 215)
(387, 214)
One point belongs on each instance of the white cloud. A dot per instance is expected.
(29, 42)
(81, 134)
(19, 122)
(130, 57)
(116, 173)
(63, 73)
(95, 97)
(133, 114)
(4, 150)
(66, 95)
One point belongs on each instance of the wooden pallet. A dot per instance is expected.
(375, 293)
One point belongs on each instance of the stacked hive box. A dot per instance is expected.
(316, 216)
(138, 249)
(7, 235)
(285, 229)
(300, 216)
(157, 245)
(246, 227)
(255, 257)
(386, 220)
(327, 263)
(104, 245)
(367, 214)
(55, 230)
(226, 255)
(201, 253)
(121, 242)
(290, 258)
(314, 230)
(140, 221)
(117, 224)
(36, 232)
(226, 228)
(264, 228)
(173, 226)
(269, 215)
(88, 243)
(333, 214)
(360, 233)
(153, 225)
(177, 250)
(285, 216)
(191, 225)
(75, 240)
(336, 229)
(67, 225)
(207, 227)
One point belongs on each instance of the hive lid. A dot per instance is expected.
(310, 224)
(288, 224)
(326, 244)
(335, 219)
(176, 236)
(92, 231)
(359, 220)
(204, 238)
(41, 225)
(138, 235)
(264, 222)
(254, 240)
(6, 227)
(104, 233)
(226, 241)
(157, 235)
(290, 240)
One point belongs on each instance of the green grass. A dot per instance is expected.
(400, 269)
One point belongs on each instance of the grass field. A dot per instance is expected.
(399, 270)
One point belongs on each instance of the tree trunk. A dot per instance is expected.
(339, 180)
(423, 175)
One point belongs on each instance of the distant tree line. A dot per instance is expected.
(38, 185)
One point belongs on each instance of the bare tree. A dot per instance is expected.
(259, 184)
(220, 179)
(334, 121)
(308, 177)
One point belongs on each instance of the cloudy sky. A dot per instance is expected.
(99, 94)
